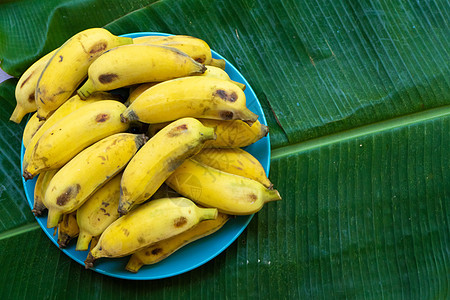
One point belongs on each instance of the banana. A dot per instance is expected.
(132, 64)
(64, 110)
(73, 133)
(219, 73)
(210, 187)
(162, 249)
(194, 96)
(39, 192)
(196, 48)
(31, 128)
(67, 68)
(98, 212)
(88, 171)
(210, 72)
(158, 158)
(230, 134)
(26, 88)
(67, 229)
(235, 161)
(147, 224)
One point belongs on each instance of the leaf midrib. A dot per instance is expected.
(19, 230)
(360, 131)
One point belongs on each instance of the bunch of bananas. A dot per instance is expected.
(146, 174)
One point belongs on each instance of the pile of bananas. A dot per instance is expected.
(146, 174)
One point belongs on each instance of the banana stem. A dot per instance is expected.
(121, 40)
(220, 63)
(271, 195)
(241, 85)
(209, 213)
(18, 114)
(86, 90)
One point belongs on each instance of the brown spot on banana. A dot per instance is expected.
(224, 95)
(107, 78)
(177, 130)
(60, 58)
(102, 118)
(141, 240)
(31, 98)
(68, 194)
(156, 251)
(98, 47)
(180, 221)
(226, 115)
(125, 231)
(252, 197)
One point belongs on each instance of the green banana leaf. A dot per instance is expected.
(357, 97)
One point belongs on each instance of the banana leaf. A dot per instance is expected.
(357, 98)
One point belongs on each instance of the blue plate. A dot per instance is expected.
(190, 256)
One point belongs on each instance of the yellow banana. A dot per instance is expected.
(147, 224)
(196, 48)
(73, 133)
(98, 212)
(158, 158)
(194, 96)
(210, 187)
(67, 68)
(26, 88)
(132, 64)
(162, 249)
(64, 110)
(88, 171)
(235, 161)
(230, 134)
(219, 73)
(210, 72)
(31, 128)
(67, 229)
(39, 191)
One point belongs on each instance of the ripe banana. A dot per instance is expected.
(235, 161)
(210, 187)
(64, 110)
(67, 229)
(216, 72)
(79, 129)
(98, 212)
(210, 72)
(31, 128)
(88, 171)
(196, 48)
(26, 88)
(39, 192)
(147, 224)
(230, 134)
(132, 64)
(67, 68)
(162, 249)
(194, 96)
(158, 158)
